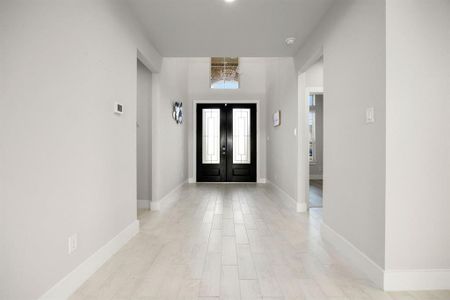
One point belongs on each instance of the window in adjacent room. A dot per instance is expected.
(225, 73)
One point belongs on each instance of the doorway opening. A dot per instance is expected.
(143, 137)
(315, 103)
(226, 146)
(311, 144)
(315, 150)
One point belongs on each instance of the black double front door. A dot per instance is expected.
(226, 142)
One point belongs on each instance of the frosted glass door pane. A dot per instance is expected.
(211, 136)
(241, 136)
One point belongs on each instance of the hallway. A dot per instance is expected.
(233, 241)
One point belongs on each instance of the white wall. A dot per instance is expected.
(68, 163)
(281, 94)
(314, 74)
(170, 156)
(417, 137)
(352, 39)
(144, 135)
(252, 87)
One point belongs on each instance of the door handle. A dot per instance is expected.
(224, 149)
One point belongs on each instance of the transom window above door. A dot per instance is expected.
(225, 73)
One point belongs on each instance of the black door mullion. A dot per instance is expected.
(229, 110)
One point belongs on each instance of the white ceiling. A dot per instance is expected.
(214, 28)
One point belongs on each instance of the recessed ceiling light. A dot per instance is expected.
(229, 1)
(290, 41)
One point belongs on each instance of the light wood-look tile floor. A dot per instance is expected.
(232, 241)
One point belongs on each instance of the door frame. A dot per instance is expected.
(303, 139)
(194, 133)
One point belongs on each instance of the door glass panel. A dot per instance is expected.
(241, 136)
(211, 136)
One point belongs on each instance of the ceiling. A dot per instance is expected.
(194, 28)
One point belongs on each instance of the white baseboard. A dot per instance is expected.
(282, 193)
(143, 204)
(262, 180)
(155, 205)
(315, 177)
(388, 280)
(192, 180)
(72, 281)
(167, 199)
(353, 255)
(413, 280)
(302, 207)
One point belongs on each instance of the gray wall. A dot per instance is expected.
(67, 162)
(282, 93)
(352, 36)
(417, 137)
(144, 134)
(169, 151)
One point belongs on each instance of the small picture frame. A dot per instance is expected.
(276, 118)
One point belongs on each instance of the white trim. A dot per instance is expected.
(167, 199)
(403, 280)
(302, 207)
(143, 204)
(389, 280)
(192, 180)
(72, 281)
(315, 177)
(302, 144)
(314, 90)
(258, 132)
(353, 255)
(262, 180)
(155, 205)
(282, 192)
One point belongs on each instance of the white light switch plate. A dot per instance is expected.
(72, 243)
(370, 115)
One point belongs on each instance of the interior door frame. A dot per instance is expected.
(194, 133)
(303, 138)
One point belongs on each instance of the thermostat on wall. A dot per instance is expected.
(118, 108)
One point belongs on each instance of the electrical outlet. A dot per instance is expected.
(118, 108)
(72, 243)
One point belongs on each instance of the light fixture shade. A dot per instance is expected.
(225, 69)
